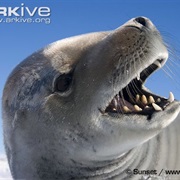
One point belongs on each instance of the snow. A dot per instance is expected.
(4, 169)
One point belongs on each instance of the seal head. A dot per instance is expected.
(74, 108)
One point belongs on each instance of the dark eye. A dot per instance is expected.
(63, 82)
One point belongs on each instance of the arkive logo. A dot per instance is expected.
(24, 11)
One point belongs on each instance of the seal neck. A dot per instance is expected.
(110, 169)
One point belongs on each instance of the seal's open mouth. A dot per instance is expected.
(136, 99)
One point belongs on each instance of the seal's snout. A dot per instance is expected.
(141, 20)
(145, 22)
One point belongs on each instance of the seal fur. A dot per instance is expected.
(57, 108)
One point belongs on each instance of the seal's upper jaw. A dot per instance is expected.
(133, 98)
(136, 99)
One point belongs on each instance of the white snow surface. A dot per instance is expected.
(4, 168)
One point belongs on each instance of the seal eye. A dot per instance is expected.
(63, 82)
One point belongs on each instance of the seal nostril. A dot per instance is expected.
(141, 21)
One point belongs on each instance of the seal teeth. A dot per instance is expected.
(158, 100)
(137, 108)
(126, 109)
(156, 107)
(144, 99)
(158, 64)
(146, 107)
(138, 77)
(140, 103)
(137, 97)
(171, 97)
(151, 100)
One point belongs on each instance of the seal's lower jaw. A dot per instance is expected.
(159, 119)
(135, 100)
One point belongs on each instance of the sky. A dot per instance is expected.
(68, 18)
